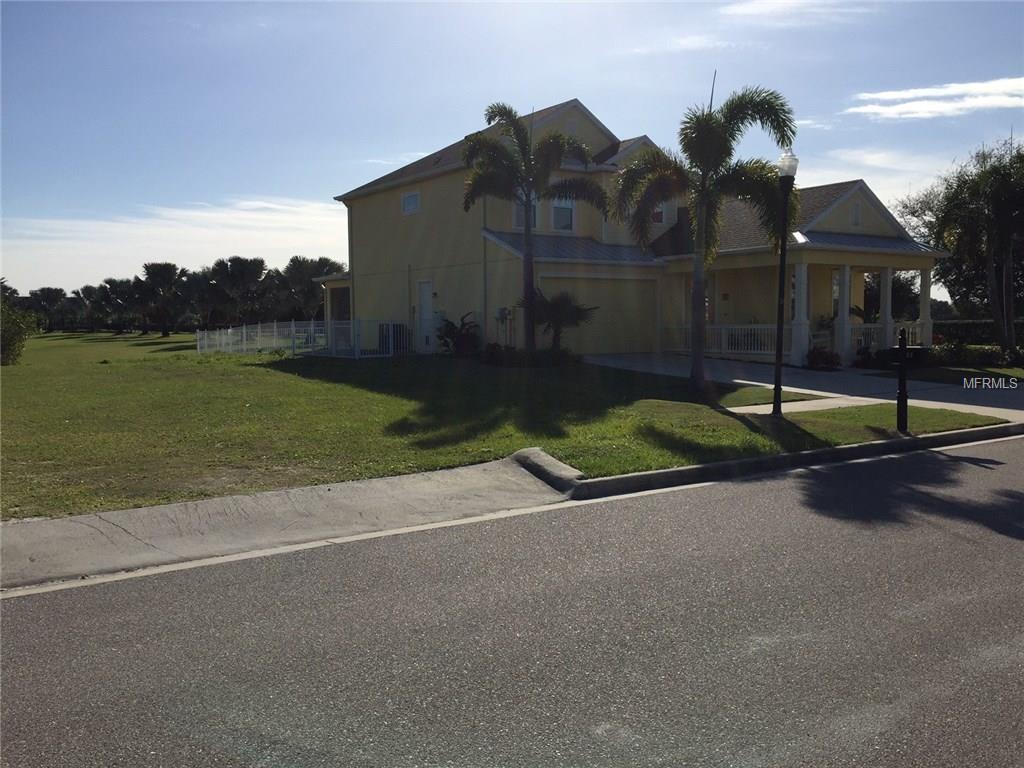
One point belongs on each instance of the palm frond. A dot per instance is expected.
(486, 152)
(491, 182)
(653, 179)
(761, 106)
(757, 183)
(578, 188)
(705, 141)
(553, 149)
(630, 180)
(511, 125)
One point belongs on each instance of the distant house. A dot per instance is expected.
(416, 257)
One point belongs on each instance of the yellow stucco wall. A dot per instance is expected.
(627, 316)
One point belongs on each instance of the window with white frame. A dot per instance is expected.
(520, 220)
(411, 202)
(658, 215)
(561, 215)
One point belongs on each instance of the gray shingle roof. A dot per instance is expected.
(442, 161)
(867, 241)
(568, 248)
(740, 227)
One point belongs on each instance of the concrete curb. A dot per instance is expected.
(547, 468)
(601, 487)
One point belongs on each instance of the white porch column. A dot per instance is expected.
(925, 314)
(885, 307)
(800, 325)
(843, 347)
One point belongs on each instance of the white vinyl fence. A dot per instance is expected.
(356, 338)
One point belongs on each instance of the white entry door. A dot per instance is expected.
(425, 330)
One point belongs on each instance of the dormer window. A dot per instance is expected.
(658, 215)
(519, 219)
(855, 216)
(561, 215)
(410, 203)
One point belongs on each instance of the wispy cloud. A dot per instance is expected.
(401, 158)
(819, 125)
(72, 252)
(891, 173)
(949, 100)
(795, 13)
(682, 43)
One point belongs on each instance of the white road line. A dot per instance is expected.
(90, 581)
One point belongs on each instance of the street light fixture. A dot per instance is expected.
(787, 174)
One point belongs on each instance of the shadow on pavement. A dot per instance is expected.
(894, 491)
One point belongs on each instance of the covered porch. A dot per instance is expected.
(825, 306)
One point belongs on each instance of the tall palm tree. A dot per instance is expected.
(706, 173)
(514, 168)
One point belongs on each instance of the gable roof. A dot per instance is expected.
(613, 152)
(740, 228)
(450, 158)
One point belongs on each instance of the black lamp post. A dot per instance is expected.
(787, 173)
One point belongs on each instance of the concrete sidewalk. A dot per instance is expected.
(848, 387)
(40, 550)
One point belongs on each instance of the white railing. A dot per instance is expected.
(342, 339)
(295, 337)
(726, 340)
(913, 333)
(866, 336)
(872, 335)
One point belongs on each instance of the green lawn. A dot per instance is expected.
(956, 374)
(96, 421)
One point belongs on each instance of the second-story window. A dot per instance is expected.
(855, 215)
(658, 215)
(561, 215)
(519, 221)
(411, 202)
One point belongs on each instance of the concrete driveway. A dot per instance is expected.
(845, 383)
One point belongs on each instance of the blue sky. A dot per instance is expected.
(195, 131)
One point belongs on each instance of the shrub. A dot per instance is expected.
(460, 340)
(15, 326)
(822, 359)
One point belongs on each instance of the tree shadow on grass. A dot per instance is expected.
(897, 490)
(459, 400)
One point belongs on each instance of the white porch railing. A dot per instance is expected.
(872, 335)
(342, 339)
(729, 340)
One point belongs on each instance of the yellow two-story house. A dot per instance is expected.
(416, 257)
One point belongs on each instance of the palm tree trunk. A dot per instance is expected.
(1008, 308)
(529, 291)
(995, 297)
(697, 309)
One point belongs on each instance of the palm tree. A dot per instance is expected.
(706, 173)
(559, 312)
(513, 168)
(164, 285)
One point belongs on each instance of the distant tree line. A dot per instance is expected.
(167, 297)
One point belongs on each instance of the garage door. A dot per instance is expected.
(626, 319)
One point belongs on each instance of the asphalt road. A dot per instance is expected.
(869, 614)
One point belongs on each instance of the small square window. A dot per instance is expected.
(561, 215)
(411, 202)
